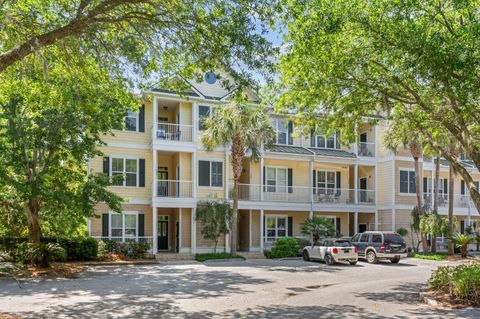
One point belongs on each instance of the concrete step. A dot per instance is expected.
(173, 256)
(251, 255)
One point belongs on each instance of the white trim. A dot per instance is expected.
(213, 159)
(123, 214)
(276, 226)
(409, 170)
(125, 157)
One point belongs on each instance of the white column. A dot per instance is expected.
(154, 230)
(261, 179)
(355, 145)
(432, 197)
(154, 118)
(310, 180)
(194, 175)
(355, 183)
(180, 211)
(355, 222)
(89, 226)
(261, 230)
(376, 184)
(376, 219)
(194, 122)
(250, 230)
(154, 173)
(227, 171)
(194, 232)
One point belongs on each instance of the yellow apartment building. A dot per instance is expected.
(167, 171)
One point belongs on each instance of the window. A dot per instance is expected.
(364, 238)
(321, 141)
(281, 131)
(275, 227)
(203, 113)
(124, 226)
(407, 182)
(356, 238)
(326, 182)
(210, 173)
(127, 168)
(131, 121)
(376, 238)
(276, 179)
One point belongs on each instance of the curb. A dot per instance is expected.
(427, 300)
(225, 259)
(121, 263)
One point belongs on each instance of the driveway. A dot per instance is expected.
(240, 289)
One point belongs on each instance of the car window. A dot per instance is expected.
(327, 243)
(364, 238)
(376, 238)
(318, 243)
(355, 238)
(341, 243)
(393, 238)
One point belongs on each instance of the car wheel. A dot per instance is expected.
(371, 257)
(329, 260)
(395, 260)
(305, 256)
(353, 263)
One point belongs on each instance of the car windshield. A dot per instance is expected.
(393, 239)
(341, 243)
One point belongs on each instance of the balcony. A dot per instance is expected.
(173, 132)
(174, 188)
(428, 200)
(366, 149)
(303, 194)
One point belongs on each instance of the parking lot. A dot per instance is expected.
(241, 289)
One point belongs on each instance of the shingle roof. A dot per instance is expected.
(332, 152)
(189, 93)
(310, 151)
(290, 149)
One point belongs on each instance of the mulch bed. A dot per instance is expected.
(56, 270)
(445, 301)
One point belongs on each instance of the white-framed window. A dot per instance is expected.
(210, 173)
(280, 127)
(204, 112)
(276, 226)
(276, 179)
(123, 226)
(131, 121)
(326, 181)
(126, 167)
(323, 141)
(407, 182)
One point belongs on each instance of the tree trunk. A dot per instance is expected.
(451, 184)
(419, 202)
(238, 154)
(233, 232)
(32, 212)
(436, 198)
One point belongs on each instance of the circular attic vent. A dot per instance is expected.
(210, 77)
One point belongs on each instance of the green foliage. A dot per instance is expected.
(317, 227)
(433, 224)
(462, 283)
(213, 256)
(215, 218)
(38, 254)
(80, 248)
(283, 248)
(402, 231)
(429, 256)
(461, 242)
(131, 250)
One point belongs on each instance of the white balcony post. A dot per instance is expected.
(261, 177)
(194, 232)
(355, 145)
(250, 230)
(155, 177)
(310, 180)
(194, 175)
(432, 199)
(194, 122)
(376, 219)
(154, 118)
(261, 230)
(355, 221)
(355, 183)
(376, 186)
(154, 230)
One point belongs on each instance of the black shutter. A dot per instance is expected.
(445, 186)
(141, 118)
(425, 185)
(338, 227)
(106, 166)
(314, 179)
(290, 180)
(290, 132)
(141, 225)
(104, 225)
(264, 179)
(290, 226)
(339, 183)
(141, 172)
(462, 227)
(462, 187)
(312, 139)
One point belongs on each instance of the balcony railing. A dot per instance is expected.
(174, 188)
(366, 149)
(302, 194)
(428, 200)
(174, 132)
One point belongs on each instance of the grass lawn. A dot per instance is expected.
(210, 256)
(429, 256)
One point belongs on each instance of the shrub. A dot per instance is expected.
(39, 254)
(462, 283)
(131, 250)
(285, 247)
(80, 248)
(210, 256)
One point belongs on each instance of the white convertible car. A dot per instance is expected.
(331, 251)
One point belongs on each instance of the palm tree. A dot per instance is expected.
(436, 198)
(455, 150)
(245, 129)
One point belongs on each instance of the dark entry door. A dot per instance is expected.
(163, 235)
(163, 183)
(363, 190)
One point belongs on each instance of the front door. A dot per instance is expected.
(163, 233)
(363, 190)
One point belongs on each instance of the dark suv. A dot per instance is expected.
(375, 245)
